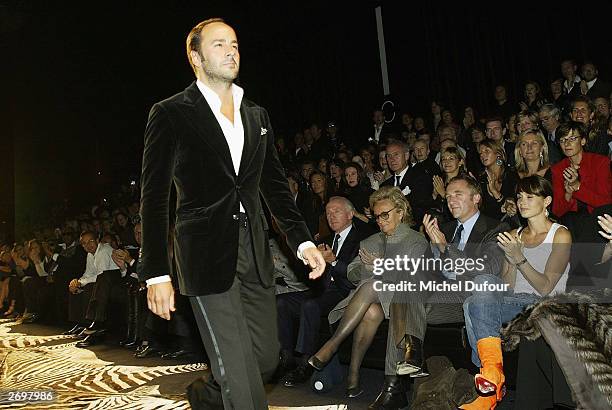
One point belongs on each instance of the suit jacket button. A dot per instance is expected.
(238, 187)
(235, 217)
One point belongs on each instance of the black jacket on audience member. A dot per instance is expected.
(348, 252)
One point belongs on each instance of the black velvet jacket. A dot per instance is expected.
(185, 145)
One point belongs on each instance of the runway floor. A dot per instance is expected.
(35, 357)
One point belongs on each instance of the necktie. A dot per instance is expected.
(335, 244)
(398, 180)
(457, 236)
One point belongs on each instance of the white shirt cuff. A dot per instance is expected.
(303, 246)
(158, 279)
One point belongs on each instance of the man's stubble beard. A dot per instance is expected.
(216, 76)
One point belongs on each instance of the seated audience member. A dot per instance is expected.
(312, 206)
(36, 283)
(550, 117)
(124, 230)
(11, 291)
(358, 192)
(583, 111)
(452, 164)
(368, 165)
(531, 155)
(476, 135)
(365, 308)
(497, 181)
(103, 273)
(71, 261)
(581, 181)
(497, 131)
(307, 307)
(322, 166)
(470, 235)
(421, 176)
(536, 264)
(533, 97)
(336, 174)
(397, 158)
(382, 173)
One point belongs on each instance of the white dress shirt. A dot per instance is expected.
(97, 263)
(234, 135)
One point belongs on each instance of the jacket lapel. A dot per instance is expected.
(252, 137)
(476, 236)
(199, 113)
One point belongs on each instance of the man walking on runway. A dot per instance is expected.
(218, 149)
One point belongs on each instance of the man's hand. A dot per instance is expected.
(117, 257)
(313, 258)
(327, 253)
(433, 231)
(74, 286)
(160, 298)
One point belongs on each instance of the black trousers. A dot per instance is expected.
(238, 329)
(101, 293)
(36, 293)
(307, 309)
(78, 303)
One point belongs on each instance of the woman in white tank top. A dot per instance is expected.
(536, 265)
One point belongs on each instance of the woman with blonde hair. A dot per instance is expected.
(531, 155)
(366, 307)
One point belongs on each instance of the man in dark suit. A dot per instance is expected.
(398, 158)
(496, 130)
(422, 173)
(591, 85)
(308, 307)
(471, 236)
(218, 149)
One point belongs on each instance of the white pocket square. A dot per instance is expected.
(263, 131)
(406, 190)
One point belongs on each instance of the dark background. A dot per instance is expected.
(78, 81)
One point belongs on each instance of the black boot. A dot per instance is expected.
(130, 338)
(414, 358)
(392, 396)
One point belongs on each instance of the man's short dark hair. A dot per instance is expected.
(194, 38)
(496, 118)
(472, 183)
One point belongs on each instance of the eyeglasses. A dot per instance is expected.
(568, 139)
(383, 215)
(84, 243)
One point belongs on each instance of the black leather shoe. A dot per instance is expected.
(176, 354)
(92, 338)
(148, 351)
(414, 359)
(205, 393)
(30, 318)
(353, 392)
(74, 331)
(392, 396)
(131, 344)
(299, 375)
